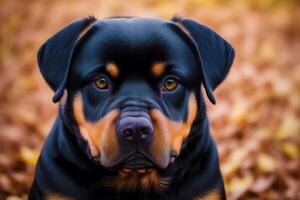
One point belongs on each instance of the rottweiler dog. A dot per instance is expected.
(132, 121)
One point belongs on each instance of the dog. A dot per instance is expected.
(132, 121)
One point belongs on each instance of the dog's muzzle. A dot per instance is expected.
(135, 131)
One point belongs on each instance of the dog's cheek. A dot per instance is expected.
(86, 130)
(109, 145)
(168, 134)
(160, 148)
(99, 135)
(183, 128)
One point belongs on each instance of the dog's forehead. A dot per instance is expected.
(134, 41)
(134, 22)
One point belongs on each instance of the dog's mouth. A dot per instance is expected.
(141, 164)
(137, 163)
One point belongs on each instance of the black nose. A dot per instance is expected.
(135, 128)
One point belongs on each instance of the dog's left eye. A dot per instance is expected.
(102, 83)
(169, 84)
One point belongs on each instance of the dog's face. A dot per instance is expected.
(133, 88)
(136, 99)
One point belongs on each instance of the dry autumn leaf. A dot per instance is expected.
(233, 162)
(266, 163)
(289, 127)
(29, 156)
(238, 185)
(290, 150)
(268, 51)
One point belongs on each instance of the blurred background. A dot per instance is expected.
(256, 121)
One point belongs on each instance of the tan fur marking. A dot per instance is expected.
(97, 133)
(110, 146)
(56, 197)
(214, 195)
(112, 69)
(158, 68)
(133, 180)
(174, 132)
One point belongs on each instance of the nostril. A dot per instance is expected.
(146, 131)
(127, 133)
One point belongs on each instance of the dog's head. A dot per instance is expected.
(133, 88)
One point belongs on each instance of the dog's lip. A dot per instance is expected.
(140, 171)
(137, 161)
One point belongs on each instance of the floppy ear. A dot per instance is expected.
(55, 55)
(215, 55)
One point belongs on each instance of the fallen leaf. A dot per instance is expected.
(268, 51)
(233, 162)
(290, 150)
(239, 114)
(29, 156)
(238, 185)
(266, 163)
(288, 128)
(262, 184)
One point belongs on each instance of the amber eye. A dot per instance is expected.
(102, 83)
(170, 84)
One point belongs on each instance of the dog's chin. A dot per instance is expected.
(136, 171)
(135, 163)
(139, 164)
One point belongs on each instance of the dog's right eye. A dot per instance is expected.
(169, 84)
(102, 83)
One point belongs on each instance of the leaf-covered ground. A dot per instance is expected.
(256, 121)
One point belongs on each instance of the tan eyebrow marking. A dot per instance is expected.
(112, 69)
(158, 68)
